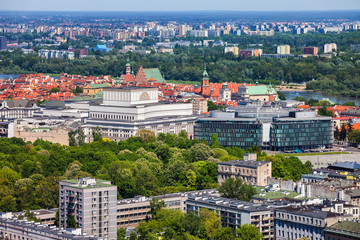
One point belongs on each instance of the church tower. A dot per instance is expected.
(128, 66)
(205, 83)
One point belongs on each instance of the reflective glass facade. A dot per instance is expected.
(241, 134)
(301, 134)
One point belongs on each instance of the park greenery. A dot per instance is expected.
(143, 165)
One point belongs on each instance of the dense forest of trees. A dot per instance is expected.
(30, 172)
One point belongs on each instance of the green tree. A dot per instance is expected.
(211, 222)
(80, 137)
(133, 236)
(324, 112)
(121, 234)
(156, 206)
(354, 137)
(97, 134)
(146, 135)
(211, 106)
(337, 133)
(214, 141)
(72, 138)
(54, 90)
(235, 188)
(281, 96)
(248, 232)
(71, 222)
(343, 133)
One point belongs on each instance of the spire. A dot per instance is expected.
(270, 85)
(205, 74)
(128, 62)
(128, 66)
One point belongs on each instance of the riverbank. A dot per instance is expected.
(292, 88)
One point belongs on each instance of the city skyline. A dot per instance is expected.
(187, 5)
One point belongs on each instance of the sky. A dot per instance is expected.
(178, 5)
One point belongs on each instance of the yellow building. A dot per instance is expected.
(92, 89)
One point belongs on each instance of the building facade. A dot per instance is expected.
(250, 171)
(12, 229)
(131, 211)
(302, 130)
(256, 93)
(7, 127)
(241, 132)
(235, 213)
(125, 111)
(92, 203)
(18, 108)
(283, 49)
(278, 130)
(302, 221)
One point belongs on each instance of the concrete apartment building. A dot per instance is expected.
(11, 229)
(92, 203)
(302, 221)
(233, 49)
(310, 50)
(131, 211)
(125, 111)
(283, 49)
(235, 213)
(330, 47)
(249, 170)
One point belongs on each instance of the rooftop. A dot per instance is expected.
(310, 211)
(351, 229)
(244, 163)
(87, 183)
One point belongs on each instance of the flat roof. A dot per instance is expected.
(130, 89)
(99, 184)
(244, 163)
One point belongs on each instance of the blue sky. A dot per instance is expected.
(178, 5)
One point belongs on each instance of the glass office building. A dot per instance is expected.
(298, 130)
(307, 133)
(241, 133)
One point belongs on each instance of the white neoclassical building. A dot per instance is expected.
(127, 110)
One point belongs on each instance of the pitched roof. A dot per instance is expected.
(101, 85)
(347, 165)
(154, 73)
(260, 90)
(346, 228)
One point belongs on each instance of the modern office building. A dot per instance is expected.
(250, 171)
(283, 49)
(267, 127)
(92, 203)
(125, 111)
(3, 43)
(295, 222)
(235, 213)
(12, 229)
(231, 131)
(301, 130)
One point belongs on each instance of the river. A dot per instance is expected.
(317, 95)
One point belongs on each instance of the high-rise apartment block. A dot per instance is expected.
(3, 43)
(92, 203)
(330, 47)
(234, 50)
(283, 49)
